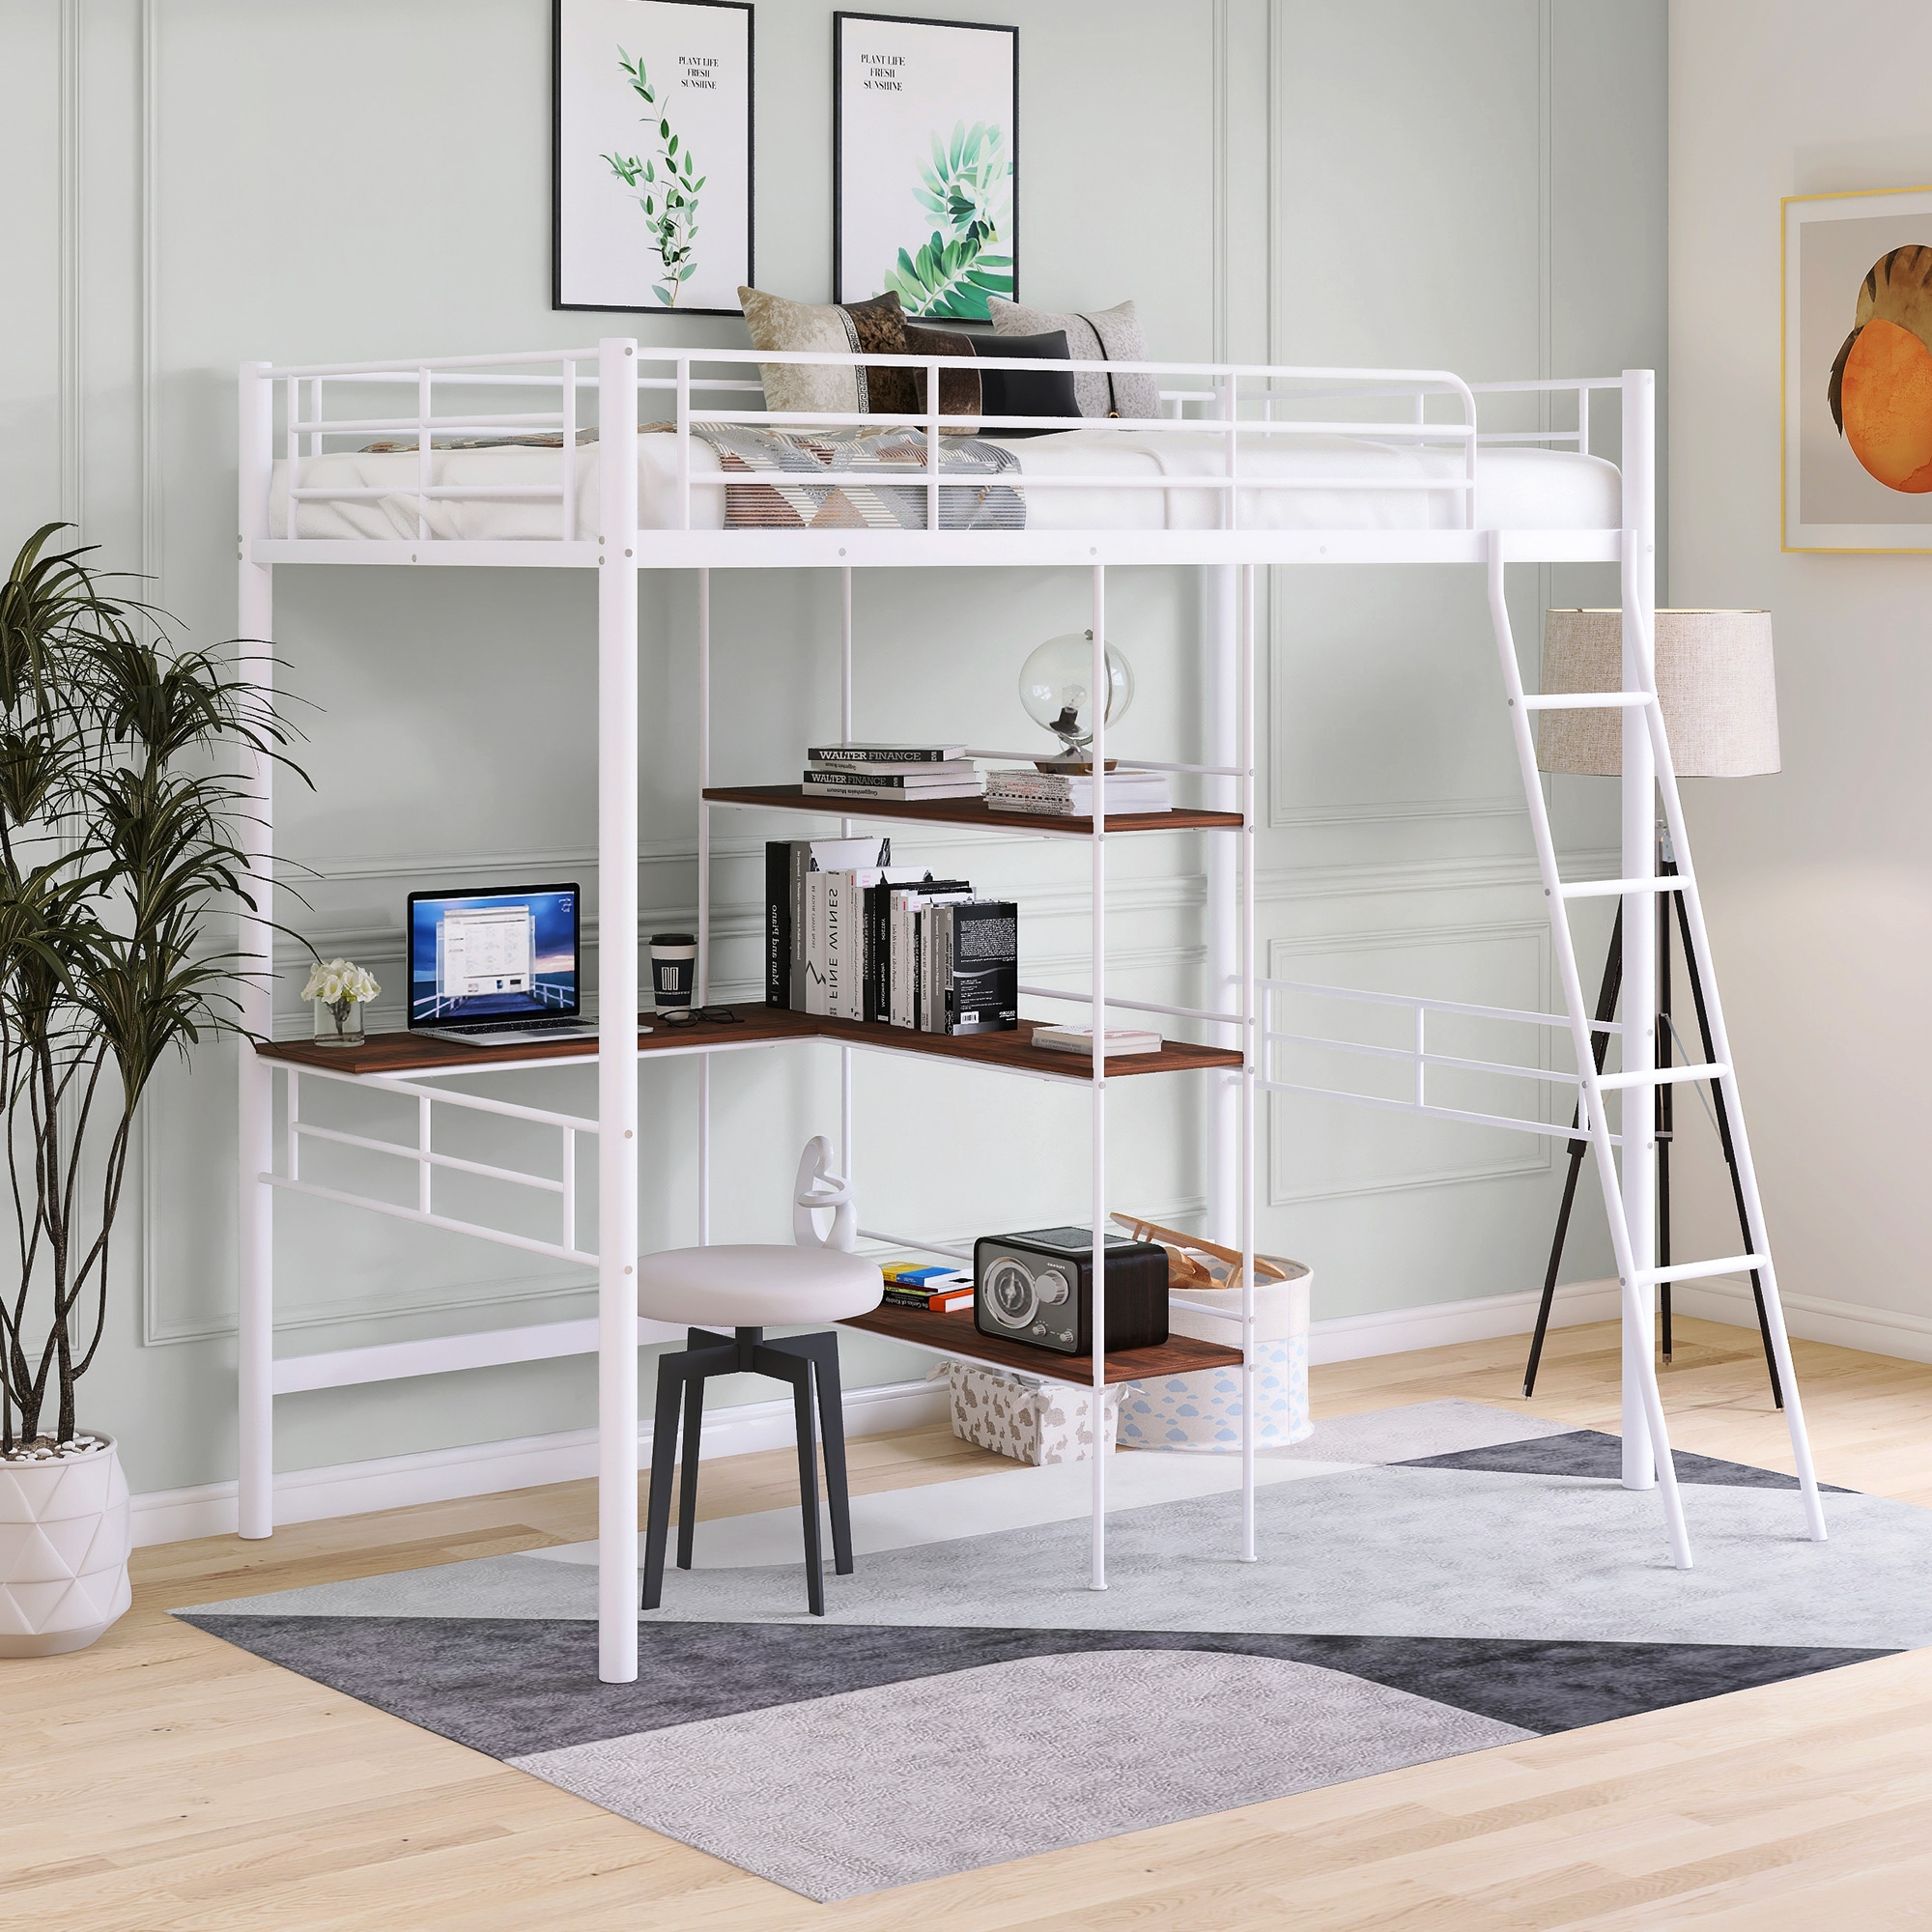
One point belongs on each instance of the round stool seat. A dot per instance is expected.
(756, 1285)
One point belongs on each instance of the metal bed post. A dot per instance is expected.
(1102, 691)
(1637, 1113)
(617, 1600)
(1224, 1094)
(1245, 698)
(702, 990)
(255, 1306)
(845, 1121)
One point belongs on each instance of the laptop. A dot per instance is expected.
(496, 966)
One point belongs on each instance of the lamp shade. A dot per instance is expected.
(1714, 674)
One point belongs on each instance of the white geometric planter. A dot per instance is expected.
(64, 1531)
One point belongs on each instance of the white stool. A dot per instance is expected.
(751, 1287)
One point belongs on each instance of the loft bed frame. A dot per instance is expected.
(1240, 410)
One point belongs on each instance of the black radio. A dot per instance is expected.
(1038, 1288)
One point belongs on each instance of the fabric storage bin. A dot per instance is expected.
(1202, 1409)
(1023, 1417)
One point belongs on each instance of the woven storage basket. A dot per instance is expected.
(1203, 1411)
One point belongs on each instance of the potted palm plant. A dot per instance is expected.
(119, 843)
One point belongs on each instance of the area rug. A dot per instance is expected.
(1433, 1579)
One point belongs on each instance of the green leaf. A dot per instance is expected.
(684, 274)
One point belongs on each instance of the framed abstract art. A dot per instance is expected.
(651, 157)
(1857, 413)
(925, 163)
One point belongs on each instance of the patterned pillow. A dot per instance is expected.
(1096, 335)
(958, 388)
(876, 326)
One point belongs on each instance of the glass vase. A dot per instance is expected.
(338, 1023)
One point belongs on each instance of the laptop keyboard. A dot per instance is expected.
(514, 1029)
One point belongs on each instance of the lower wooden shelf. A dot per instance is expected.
(955, 1335)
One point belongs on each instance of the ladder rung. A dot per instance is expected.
(1587, 700)
(1662, 1076)
(1616, 888)
(1692, 1271)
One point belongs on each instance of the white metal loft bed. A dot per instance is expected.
(1248, 467)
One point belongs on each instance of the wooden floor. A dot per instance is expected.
(164, 1781)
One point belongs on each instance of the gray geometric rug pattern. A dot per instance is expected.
(1437, 1579)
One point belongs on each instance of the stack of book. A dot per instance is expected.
(852, 936)
(1070, 794)
(900, 773)
(941, 1290)
(1080, 1039)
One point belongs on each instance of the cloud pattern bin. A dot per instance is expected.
(1203, 1411)
(1021, 1416)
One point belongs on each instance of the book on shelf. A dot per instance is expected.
(905, 938)
(789, 863)
(885, 754)
(949, 1302)
(941, 1290)
(836, 935)
(1080, 1039)
(852, 937)
(894, 778)
(1070, 794)
(972, 977)
(891, 785)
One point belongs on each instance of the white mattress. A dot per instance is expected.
(1520, 487)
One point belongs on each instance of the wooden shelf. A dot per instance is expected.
(955, 1335)
(755, 1026)
(973, 812)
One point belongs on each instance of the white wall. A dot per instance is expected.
(1478, 186)
(1818, 881)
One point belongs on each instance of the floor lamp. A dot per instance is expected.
(1715, 677)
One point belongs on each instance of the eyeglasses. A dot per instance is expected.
(684, 1016)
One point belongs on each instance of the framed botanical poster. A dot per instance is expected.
(1857, 371)
(925, 163)
(652, 156)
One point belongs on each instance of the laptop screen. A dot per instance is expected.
(492, 955)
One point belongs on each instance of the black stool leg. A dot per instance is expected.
(687, 1489)
(832, 1426)
(664, 1433)
(807, 1485)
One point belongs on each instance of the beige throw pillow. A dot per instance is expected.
(876, 326)
(1093, 335)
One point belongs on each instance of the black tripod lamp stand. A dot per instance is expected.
(1720, 697)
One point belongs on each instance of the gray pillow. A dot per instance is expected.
(1096, 335)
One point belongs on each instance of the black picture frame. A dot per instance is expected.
(557, 301)
(840, 292)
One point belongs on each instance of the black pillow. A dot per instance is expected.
(1020, 391)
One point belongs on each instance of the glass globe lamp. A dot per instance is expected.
(1056, 687)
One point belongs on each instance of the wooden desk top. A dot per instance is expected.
(755, 1026)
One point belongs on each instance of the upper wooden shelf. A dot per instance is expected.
(970, 811)
(755, 1026)
(955, 1335)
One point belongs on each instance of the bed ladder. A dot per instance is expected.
(1639, 1284)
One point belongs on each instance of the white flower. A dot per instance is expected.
(337, 979)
